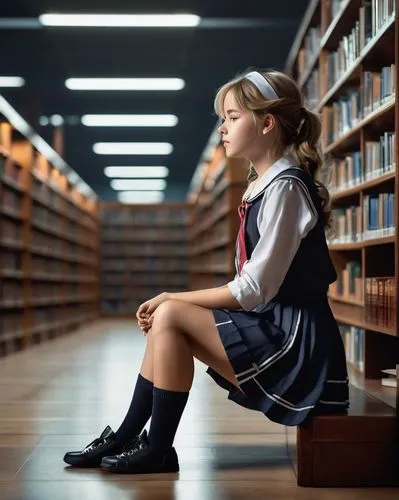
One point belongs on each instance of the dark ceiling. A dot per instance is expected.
(235, 35)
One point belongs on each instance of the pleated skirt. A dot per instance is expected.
(289, 361)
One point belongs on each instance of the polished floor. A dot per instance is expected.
(59, 395)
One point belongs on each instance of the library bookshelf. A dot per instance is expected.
(48, 240)
(215, 194)
(144, 251)
(345, 58)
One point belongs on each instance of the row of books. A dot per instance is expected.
(344, 115)
(339, 61)
(378, 210)
(346, 225)
(54, 201)
(11, 200)
(11, 170)
(377, 215)
(10, 260)
(144, 264)
(346, 172)
(130, 250)
(349, 284)
(10, 323)
(380, 301)
(14, 289)
(333, 8)
(130, 216)
(373, 17)
(119, 306)
(39, 189)
(312, 90)
(378, 88)
(311, 46)
(353, 340)
(150, 279)
(379, 11)
(380, 156)
(208, 260)
(46, 265)
(11, 230)
(151, 233)
(10, 290)
(143, 292)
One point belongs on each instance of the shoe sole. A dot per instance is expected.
(92, 465)
(115, 469)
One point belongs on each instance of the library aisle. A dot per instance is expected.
(60, 394)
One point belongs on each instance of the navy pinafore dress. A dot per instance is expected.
(289, 359)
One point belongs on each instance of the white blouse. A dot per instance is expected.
(285, 217)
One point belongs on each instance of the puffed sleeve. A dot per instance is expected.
(285, 218)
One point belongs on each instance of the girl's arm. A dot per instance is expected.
(211, 298)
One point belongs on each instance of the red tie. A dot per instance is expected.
(242, 250)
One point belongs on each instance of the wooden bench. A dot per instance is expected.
(357, 449)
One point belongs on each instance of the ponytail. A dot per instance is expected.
(307, 149)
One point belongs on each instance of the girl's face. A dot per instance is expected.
(241, 131)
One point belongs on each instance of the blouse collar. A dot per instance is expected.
(285, 162)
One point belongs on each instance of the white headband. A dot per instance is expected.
(262, 85)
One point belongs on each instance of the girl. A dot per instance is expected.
(268, 336)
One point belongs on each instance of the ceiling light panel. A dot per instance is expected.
(142, 84)
(132, 148)
(144, 172)
(11, 81)
(141, 197)
(138, 184)
(129, 120)
(121, 20)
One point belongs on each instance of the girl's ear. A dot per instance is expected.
(268, 123)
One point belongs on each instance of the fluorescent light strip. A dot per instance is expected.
(132, 148)
(124, 83)
(11, 81)
(120, 20)
(138, 172)
(138, 184)
(141, 197)
(129, 120)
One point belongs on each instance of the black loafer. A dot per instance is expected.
(140, 458)
(92, 455)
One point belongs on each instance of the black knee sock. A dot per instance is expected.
(139, 411)
(167, 409)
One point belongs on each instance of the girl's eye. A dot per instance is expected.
(234, 118)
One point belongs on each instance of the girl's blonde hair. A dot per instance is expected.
(298, 128)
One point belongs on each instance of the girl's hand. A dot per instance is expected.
(145, 311)
(146, 324)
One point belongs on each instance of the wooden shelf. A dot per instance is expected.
(309, 70)
(373, 45)
(372, 386)
(38, 259)
(122, 290)
(310, 14)
(347, 15)
(347, 300)
(354, 315)
(12, 184)
(358, 245)
(389, 176)
(369, 347)
(386, 111)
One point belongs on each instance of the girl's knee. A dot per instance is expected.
(166, 313)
